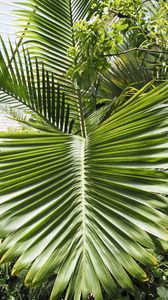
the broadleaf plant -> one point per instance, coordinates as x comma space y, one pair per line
83, 196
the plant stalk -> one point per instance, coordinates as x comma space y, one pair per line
82, 121
136, 49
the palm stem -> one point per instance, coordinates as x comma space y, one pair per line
77, 86
82, 121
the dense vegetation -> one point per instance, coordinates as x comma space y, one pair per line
83, 210
156, 288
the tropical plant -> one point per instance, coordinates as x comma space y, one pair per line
13, 288
82, 197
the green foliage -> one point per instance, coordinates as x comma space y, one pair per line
157, 26
162, 293
85, 206
13, 288
37, 92
92, 40
104, 34
126, 8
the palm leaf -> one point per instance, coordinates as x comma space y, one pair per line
50, 33
47, 38
30, 86
87, 209
126, 71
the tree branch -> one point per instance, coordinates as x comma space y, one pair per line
119, 14
135, 49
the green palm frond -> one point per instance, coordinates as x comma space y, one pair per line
50, 31
157, 65
127, 70
129, 73
150, 64
47, 35
87, 209
29, 85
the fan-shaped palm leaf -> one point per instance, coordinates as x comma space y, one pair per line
134, 69
87, 209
